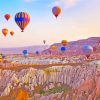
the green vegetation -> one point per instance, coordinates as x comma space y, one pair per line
59, 89
42, 92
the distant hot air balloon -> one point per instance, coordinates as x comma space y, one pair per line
53, 47
37, 52
98, 42
3, 56
64, 42
22, 19
94, 48
44, 41
7, 16
25, 53
5, 31
12, 33
87, 50
63, 49
56, 11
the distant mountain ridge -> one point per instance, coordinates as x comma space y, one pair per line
18, 50
73, 47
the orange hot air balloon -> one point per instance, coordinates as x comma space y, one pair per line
12, 33
7, 16
56, 11
5, 31
53, 47
64, 42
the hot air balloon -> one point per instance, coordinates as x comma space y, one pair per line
25, 53
63, 49
12, 33
44, 41
7, 17
87, 50
3, 56
53, 47
37, 52
56, 11
22, 19
94, 48
5, 31
64, 42
99, 42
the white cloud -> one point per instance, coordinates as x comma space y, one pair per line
69, 3
29, 0
66, 3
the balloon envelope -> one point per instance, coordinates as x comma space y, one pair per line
53, 47
22, 19
94, 48
63, 49
64, 42
7, 17
25, 53
44, 41
12, 33
5, 31
87, 50
37, 52
56, 11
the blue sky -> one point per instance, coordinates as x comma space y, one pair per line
79, 19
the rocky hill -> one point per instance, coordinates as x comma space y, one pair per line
75, 47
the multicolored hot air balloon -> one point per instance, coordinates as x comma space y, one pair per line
25, 53
5, 31
56, 11
64, 42
87, 50
12, 33
22, 19
7, 16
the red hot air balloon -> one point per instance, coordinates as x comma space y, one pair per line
5, 31
7, 17
56, 11
12, 33
22, 19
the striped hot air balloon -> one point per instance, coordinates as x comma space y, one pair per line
22, 19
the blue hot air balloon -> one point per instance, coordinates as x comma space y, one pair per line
63, 49
87, 50
37, 52
25, 53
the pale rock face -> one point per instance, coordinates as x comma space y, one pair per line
7, 90
68, 75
